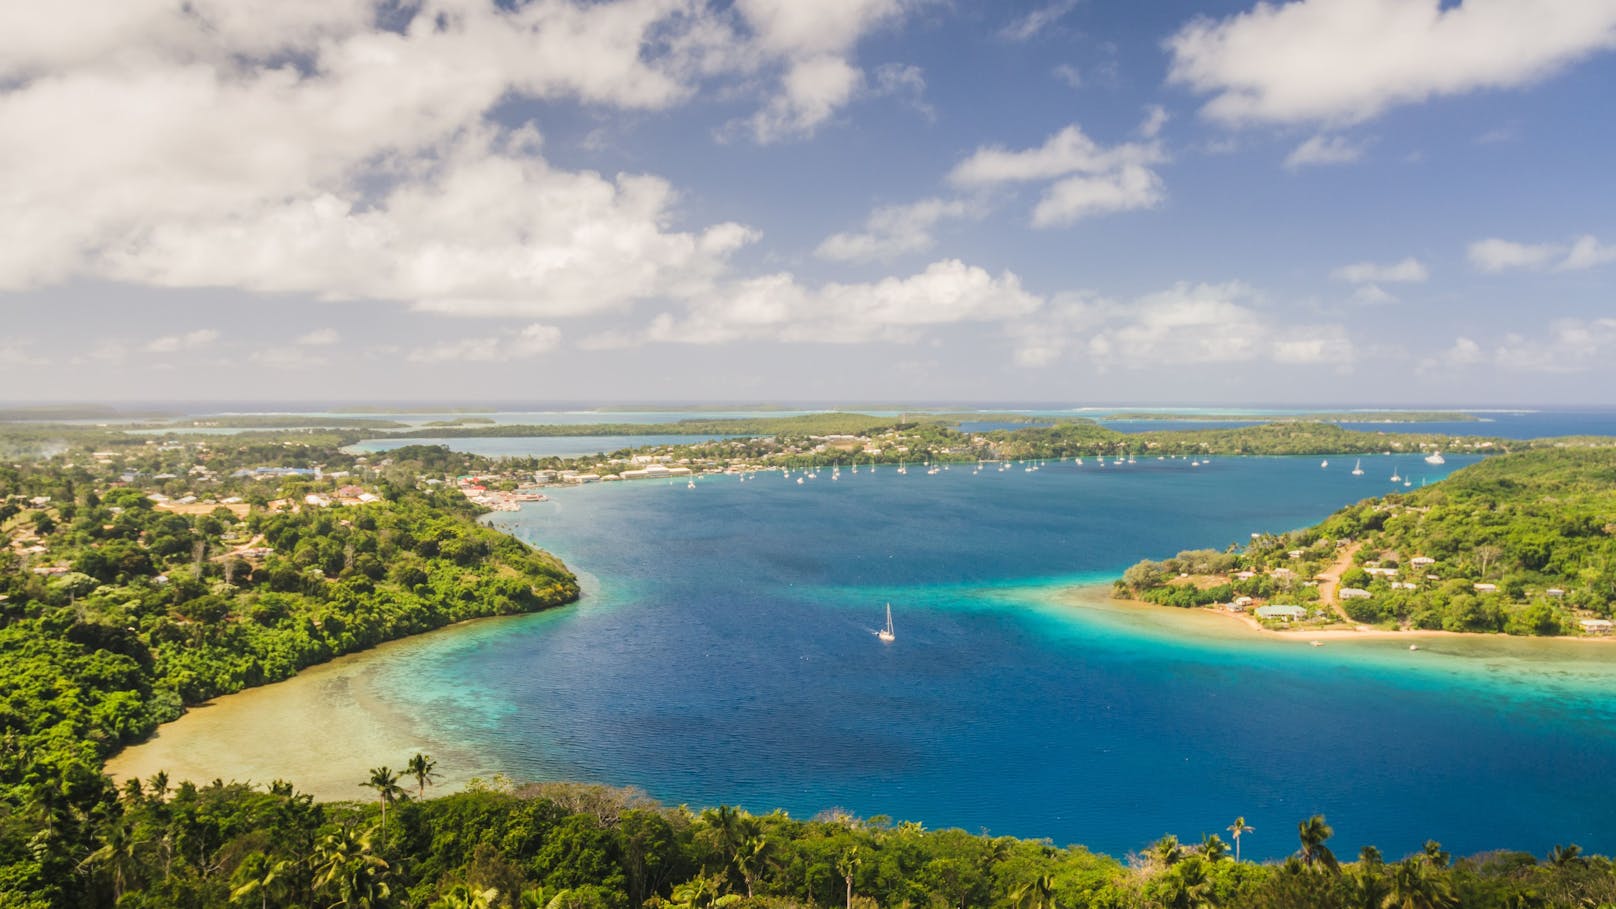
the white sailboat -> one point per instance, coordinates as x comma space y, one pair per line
886, 634
1395, 477
1357, 469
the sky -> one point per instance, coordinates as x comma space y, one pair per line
1388, 202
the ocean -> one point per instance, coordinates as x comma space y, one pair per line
723, 653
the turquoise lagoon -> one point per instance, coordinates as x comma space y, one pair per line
723, 653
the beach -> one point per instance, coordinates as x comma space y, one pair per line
322, 730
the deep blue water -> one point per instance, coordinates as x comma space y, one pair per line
723, 654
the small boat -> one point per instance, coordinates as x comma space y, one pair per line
1357, 469
1435, 457
1395, 477
691, 485
1324, 463
1316, 643
886, 634
1413, 647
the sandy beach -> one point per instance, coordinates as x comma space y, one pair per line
321, 729
1203, 619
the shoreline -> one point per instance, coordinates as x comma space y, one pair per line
1255, 629
322, 729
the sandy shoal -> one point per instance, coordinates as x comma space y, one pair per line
322, 730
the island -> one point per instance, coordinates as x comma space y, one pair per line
1521, 543
142, 575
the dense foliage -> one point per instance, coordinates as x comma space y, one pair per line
1523, 544
579, 847
119, 605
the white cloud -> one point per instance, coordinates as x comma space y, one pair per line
1345, 61
1496, 255
191, 340
1587, 252
305, 149
814, 41
529, 342
1185, 325
906, 82
779, 308
1156, 117
1407, 271
1131, 187
892, 231
1567, 346
1097, 180
1068, 74
1372, 295
1322, 149
1029, 25
485, 232
320, 337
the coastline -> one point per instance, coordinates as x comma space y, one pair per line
1091, 594
321, 729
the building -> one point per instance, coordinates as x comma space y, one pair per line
1354, 593
1596, 626
1283, 613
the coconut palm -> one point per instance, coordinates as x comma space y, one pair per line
1038, 893
345, 868
267, 879
1436, 854
1565, 855
159, 785
116, 855
385, 781
1417, 884
1213, 848
420, 767
1236, 830
1313, 833
1166, 852
846, 865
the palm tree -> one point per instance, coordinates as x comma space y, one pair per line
1313, 833
1213, 847
1562, 856
421, 767
159, 785
847, 864
1435, 854
347, 869
1166, 851
753, 855
1417, 884
117, 855
385, 782
1038, 893
1236, 830
268, 879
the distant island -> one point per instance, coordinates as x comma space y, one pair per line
1517, 544
1329, 416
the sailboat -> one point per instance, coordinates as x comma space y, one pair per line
1395, 477
886, 634
1357, 469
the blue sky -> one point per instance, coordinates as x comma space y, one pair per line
1320, 201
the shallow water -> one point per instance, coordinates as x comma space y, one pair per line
723, 653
